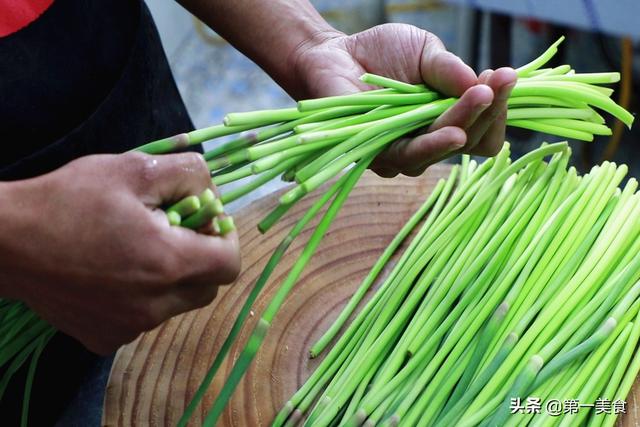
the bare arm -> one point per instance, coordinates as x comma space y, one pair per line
268, 32
85, 247
307, 57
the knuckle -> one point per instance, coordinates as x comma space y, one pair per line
144, 167
135, 159
432, 41
195, 160
195, 165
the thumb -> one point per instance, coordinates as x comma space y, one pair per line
444, 71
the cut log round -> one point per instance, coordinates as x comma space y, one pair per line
154, 377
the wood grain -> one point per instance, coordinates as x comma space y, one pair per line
153, 378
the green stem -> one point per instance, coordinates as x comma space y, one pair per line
387, 82
376, 269
372, 100
275, 258
259, 333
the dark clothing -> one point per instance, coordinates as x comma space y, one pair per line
88, 76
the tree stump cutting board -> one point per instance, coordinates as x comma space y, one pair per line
154, 377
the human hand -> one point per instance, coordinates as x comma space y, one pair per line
331, 63
87, 249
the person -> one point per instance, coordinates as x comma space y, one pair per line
82, 241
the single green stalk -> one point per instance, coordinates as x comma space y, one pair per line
579, 125
259, 118
275, 159
545, 101
225, 225
174, 218
204, 215
375, 80
559, 70
524, 70
309, 105
589, 78
537, 126
206, 196
184, 140
185, 207
549, 113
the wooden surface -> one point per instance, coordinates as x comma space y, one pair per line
153, 378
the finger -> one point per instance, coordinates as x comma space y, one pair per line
384, 172
493, 140
444, 71
501, 82
466, 111
210, 260
186, 298
167, 178
483, 78
410, 156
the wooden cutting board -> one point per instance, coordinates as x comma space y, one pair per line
153, 378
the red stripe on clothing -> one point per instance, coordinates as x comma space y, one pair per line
17, 14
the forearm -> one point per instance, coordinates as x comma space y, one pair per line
269, 32
14, 216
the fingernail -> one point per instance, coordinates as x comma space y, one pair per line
477, 110
457, 145
481, 107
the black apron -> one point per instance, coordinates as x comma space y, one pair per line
116, 107
111, 112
